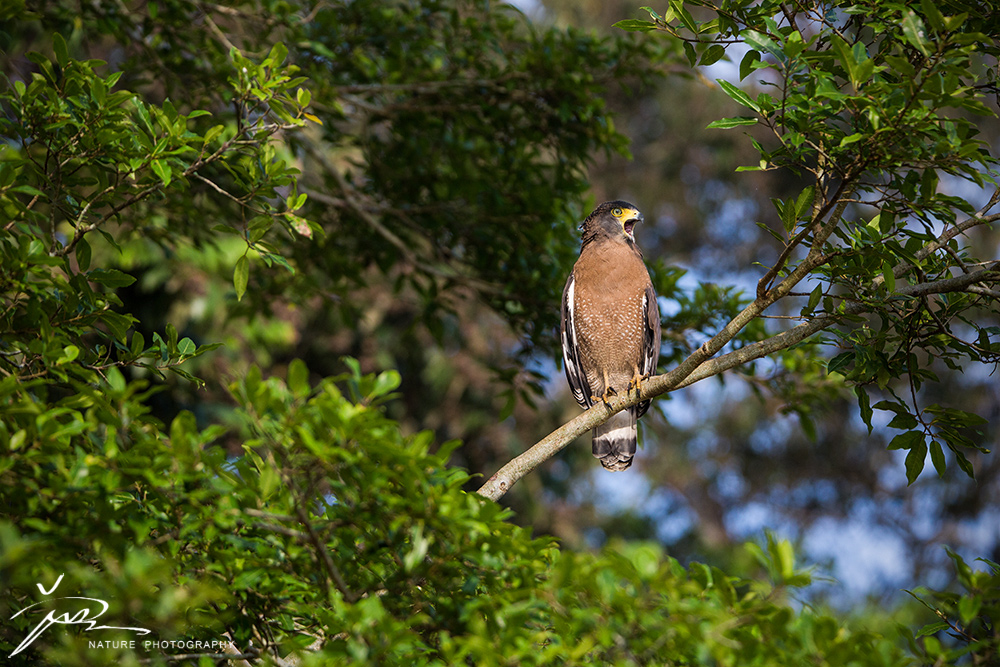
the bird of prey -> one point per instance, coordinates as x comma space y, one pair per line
610, 326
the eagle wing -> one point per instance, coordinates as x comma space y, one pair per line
571, 351
650, 340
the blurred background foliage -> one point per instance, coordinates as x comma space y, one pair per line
446, 151
782, 447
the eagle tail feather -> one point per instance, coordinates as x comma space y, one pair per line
615, 440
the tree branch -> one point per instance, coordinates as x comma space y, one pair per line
699, 365
499, 483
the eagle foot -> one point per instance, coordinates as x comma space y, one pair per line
635, 383
605, 397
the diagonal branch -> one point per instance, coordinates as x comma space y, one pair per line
700, 365
786, 339
815, 226
661, 384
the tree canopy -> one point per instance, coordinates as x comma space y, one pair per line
867, 126
261, 263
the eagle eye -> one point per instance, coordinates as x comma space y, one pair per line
617, 212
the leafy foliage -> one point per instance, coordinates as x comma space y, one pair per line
78, 155
966, 621
872, 104
334, 527
439, 148
446, 195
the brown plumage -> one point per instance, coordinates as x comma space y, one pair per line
610, 326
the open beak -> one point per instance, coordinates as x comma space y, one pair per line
629, 225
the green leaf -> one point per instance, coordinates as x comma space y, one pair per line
303, 97
687, 20
850, 139
758, 41
691, 54
241, 276
888, 275
118, 325
385, 383
964, 464
738, 95
729, 123
804, 203
138, 344
213, 132
98, 91
932, 628
937, 458
786, 211
784, 557
110, 277
171, 338
956, 417
814, 298
748, 63
161, 346
277, 55
900, 66
298, 378
258, 228
634, 25
903, 420
933, 14
17, 440
864, 404
906, 440
143, 112
186, 347
844, 53
855, 60
916, 458
163, 170
70, 353
83, 253
61, 51
861, 74
914, 32
842, 360
794, 45
712, 55
968, 608
28, 190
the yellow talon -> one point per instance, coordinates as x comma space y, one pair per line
610, 391
605, 397
635, 383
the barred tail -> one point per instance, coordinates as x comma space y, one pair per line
615, 440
